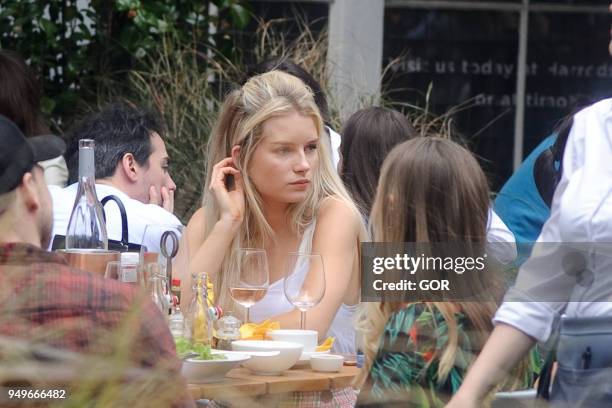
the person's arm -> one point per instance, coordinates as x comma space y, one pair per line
504, 349
206, 255
336, 239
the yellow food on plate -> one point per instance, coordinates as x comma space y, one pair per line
257, 331
326, 345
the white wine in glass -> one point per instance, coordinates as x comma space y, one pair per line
251, 278
304, 282
248, 296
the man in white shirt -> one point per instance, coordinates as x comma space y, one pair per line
577, 236
131, 164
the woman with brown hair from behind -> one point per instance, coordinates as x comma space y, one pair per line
431, 191
368, 136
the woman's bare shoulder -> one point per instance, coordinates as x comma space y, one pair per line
337, 211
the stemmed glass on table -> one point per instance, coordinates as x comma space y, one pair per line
251, 279
304, 282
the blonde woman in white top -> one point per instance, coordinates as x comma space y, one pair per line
268, 137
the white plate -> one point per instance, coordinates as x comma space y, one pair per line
207, 371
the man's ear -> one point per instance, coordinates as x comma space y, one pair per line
29, 192
129, 167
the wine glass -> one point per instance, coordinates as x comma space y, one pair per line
304, 282
249, 283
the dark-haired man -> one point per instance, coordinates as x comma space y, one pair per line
131, 163
42, 299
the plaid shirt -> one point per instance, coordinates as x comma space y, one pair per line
42, 299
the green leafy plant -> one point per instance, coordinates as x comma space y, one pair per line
81, 48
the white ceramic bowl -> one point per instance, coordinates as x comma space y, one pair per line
288, 354
307, 338
207, 371
305, 357
329, 363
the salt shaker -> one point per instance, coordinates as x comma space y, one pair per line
228, 330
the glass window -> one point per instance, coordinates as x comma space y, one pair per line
570, 67
470, 55
465, 56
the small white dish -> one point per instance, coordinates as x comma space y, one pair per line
288, 354
305, 357
328, 363
209, 371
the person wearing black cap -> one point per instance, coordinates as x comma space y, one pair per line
43, 300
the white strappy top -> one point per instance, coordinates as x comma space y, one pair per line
275, 303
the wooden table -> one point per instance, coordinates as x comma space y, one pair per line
242, 388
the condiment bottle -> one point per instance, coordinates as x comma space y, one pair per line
228, 330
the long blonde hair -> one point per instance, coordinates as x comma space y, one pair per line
242, 116
432, 190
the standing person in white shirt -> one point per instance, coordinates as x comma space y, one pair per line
581, 212
131, 163
580, 218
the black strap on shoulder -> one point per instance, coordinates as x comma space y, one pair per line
124, 224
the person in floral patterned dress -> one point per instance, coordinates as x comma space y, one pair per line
417, 352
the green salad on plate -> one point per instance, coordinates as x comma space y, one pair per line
196, 351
